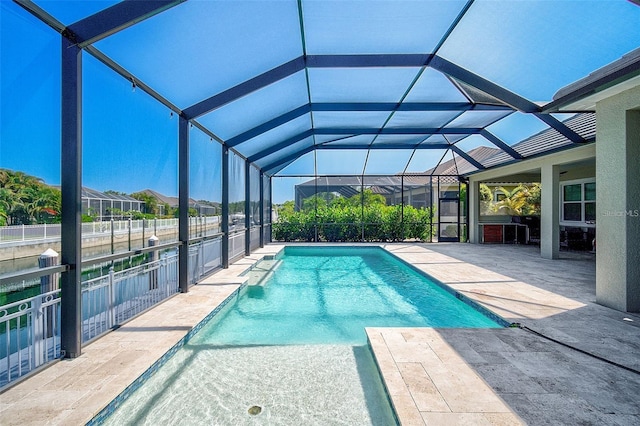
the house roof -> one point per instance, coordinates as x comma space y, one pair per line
614, 74
173, 201
98, 195
548, 140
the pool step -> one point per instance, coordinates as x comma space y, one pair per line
262, 271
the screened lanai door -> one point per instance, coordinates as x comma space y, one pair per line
449, 217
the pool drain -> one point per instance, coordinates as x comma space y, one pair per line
255, 410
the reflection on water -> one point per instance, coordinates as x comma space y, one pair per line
30, 262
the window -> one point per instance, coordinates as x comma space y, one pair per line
579, 201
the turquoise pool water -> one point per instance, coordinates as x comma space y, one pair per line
329, 295
294, 344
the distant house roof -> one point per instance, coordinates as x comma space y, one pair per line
460, 166
173, 201
97, 195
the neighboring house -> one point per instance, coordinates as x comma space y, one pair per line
204, 208
106, 206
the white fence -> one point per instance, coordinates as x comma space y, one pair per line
236, 244
204, 257
30, 328
199, 226
255, 238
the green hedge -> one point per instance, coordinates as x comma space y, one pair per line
345, 223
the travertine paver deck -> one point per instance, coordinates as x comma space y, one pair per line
466, 376
430, 383
71, 392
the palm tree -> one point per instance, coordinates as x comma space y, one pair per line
150, 202
513, 200
23, 197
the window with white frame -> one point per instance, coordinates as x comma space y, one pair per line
578, 201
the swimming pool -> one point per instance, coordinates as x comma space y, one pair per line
320, 295
294, 344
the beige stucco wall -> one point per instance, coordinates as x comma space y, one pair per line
618, 201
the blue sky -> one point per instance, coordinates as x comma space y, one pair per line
130, 141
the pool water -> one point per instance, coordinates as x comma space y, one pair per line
292, 343
321, 295
292, 385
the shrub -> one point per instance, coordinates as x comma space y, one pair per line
343, 222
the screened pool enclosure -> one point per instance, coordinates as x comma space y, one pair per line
277, 111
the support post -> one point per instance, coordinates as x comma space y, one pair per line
439, 212
430, 209
225, 207
48, 283
270, 209
473, 206
550, 211
315, 208
152, 257
261, 209
459, 233
247, 208
71, 188
362, 225
183, 204
402, 206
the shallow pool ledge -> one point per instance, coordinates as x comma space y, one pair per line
429, 383
74, 391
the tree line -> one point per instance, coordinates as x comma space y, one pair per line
26, 199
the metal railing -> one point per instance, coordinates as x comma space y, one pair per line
266, 233
30, 328
204, 257
236, 243
115, 298
255, 237
29, 335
